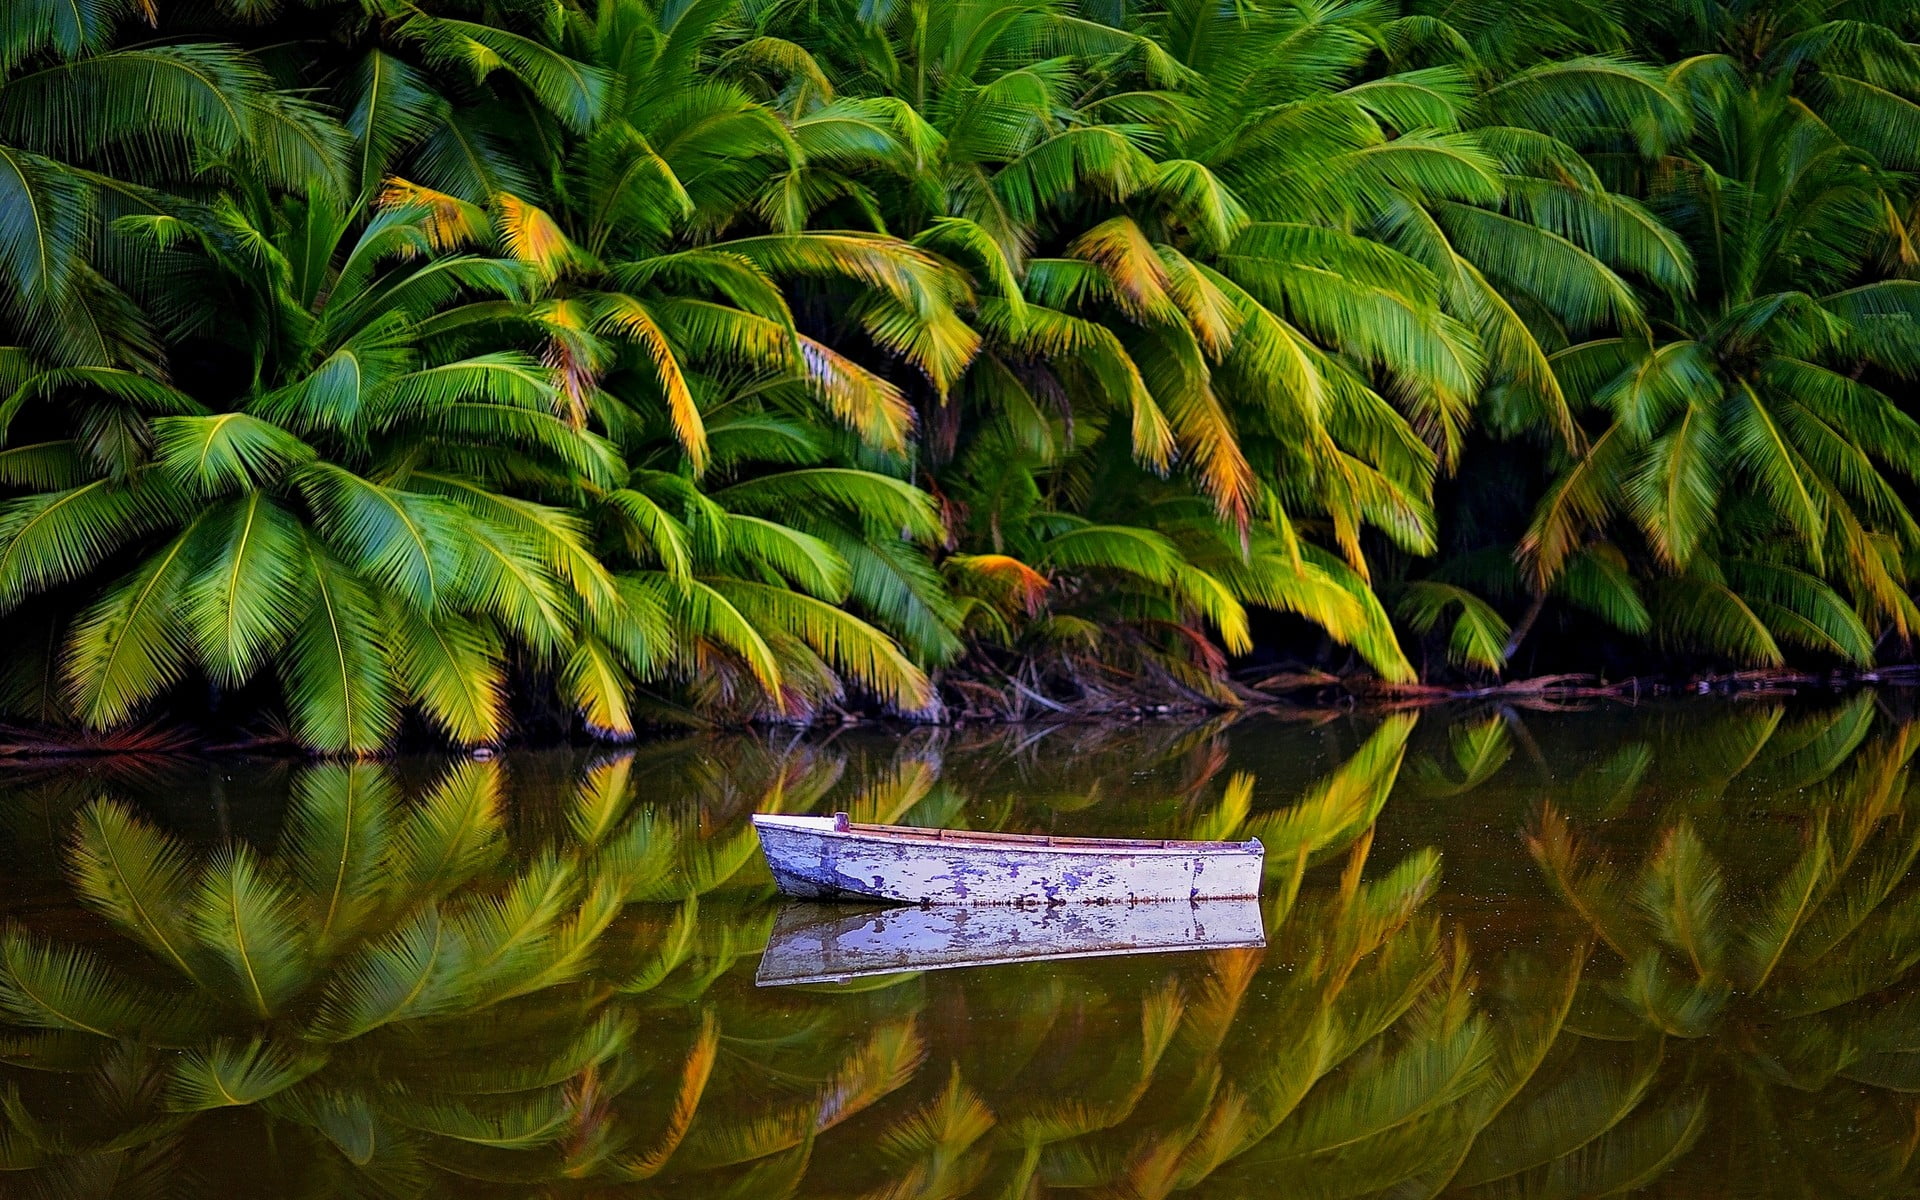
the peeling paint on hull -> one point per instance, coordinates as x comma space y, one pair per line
826, 858
811, 944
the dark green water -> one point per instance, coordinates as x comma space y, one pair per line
1531, 954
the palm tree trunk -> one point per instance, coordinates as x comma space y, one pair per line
1525, 624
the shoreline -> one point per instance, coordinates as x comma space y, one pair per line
1299, 693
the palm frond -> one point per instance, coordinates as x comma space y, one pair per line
229, 1074
879, 501
52, 537
131, 645
246, 594
573, 91
452, 835
136, 877
865, 655
49, 986
339, 688
1479, 633
454, 671
597, 686
1699, 612
215, 455
336, 846
248, 921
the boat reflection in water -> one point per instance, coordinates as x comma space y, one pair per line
815, 943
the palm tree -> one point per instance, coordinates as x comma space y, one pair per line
667, 265
1134, 288
626, 362
338, 518
92, 130
1748, 440
444, 478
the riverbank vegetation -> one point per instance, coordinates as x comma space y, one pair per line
452, 369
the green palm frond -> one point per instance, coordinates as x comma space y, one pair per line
42, 466
248, 921
214, 455
136, 877
701, 611
806, 562
1700, 612
53, 537
393, 109
68, 29
1572, 97
411, 973
573, 91
903, 592
130, 645
1584, 496
879, 501
557, 536
339, 689
227, 1074
337, 845
451, 835
1373, 635
454, 671
1803, 609
1578, 286
1598, 580
1479, 634
1142, 552
595, 682
42, 235
1615, 229
655, 533
863, 654
1672, 495
249, 587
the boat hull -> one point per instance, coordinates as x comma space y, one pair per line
812, 859
811, 944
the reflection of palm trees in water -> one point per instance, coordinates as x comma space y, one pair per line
394, 980
1758, 954
453, 995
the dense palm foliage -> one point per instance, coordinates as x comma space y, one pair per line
596, 362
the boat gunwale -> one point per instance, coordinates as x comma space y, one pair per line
963, 838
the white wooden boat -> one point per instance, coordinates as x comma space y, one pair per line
815, 944
833, 858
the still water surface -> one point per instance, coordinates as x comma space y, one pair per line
1509, 954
